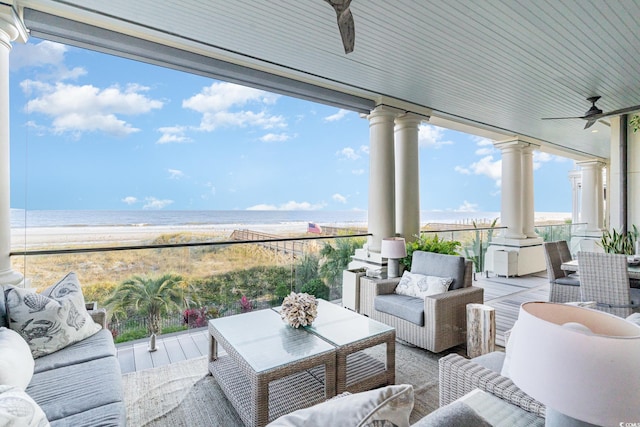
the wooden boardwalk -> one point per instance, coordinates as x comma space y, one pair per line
279, 243
504, 294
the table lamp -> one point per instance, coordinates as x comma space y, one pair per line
582, 364
393, 248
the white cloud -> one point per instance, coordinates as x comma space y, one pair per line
222, 105
130, 200
46, 55
484, 151
153, 203
431, 136
364, 149
78, 109
357, 171
275, 137
482, 142
339, 198
348, 153
289, 206
485, 166
175, 174
467, 207
337, 116
172, 134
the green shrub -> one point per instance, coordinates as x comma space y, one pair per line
131, 334
171, 329
430, 244
317, 288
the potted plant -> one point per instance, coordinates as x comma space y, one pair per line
619, 243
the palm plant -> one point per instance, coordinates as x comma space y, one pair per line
336, 258
151, 297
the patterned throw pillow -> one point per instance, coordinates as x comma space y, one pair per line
17, 408
386, 406
432, 285
405, 286
51, 320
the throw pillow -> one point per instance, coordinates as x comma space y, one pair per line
16, 362
17, 408
390, 405
405, 286
432, 285
51, 320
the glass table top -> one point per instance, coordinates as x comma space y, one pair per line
265, 341
341, 326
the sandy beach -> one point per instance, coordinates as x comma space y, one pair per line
51, 237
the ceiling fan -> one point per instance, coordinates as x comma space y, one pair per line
345, 23
594, 114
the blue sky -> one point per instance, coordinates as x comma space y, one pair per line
93, 131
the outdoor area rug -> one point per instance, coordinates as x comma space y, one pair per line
182, 394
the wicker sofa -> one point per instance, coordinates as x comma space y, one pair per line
81, 384
459, 376
439, 321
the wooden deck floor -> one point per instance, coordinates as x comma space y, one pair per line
504, 294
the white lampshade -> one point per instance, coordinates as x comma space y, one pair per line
592, 376
393, 248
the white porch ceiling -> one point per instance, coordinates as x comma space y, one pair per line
498, 65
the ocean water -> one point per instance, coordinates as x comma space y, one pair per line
87, 218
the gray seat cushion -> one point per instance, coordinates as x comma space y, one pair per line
567, 281
433, 264
113, 414
635, 297
405, 307
74, 389
455, 414
95, 347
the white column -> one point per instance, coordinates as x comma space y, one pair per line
600, 180
592, 191
11, 28
407, 172
528, 206
382, 219
512, 193
575, 177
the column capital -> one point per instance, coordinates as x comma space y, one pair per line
11, 26
585, 164
383, 111
411, 119
514, 143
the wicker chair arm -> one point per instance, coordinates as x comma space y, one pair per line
458, 376
446, 303
99, 316
386, 286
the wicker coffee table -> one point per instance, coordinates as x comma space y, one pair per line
351, 333
270, 368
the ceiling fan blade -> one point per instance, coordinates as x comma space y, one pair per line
346, 24
621, 111
347, 30
562, 118
590, 123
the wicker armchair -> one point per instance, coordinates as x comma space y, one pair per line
458, 376
605, 280
563, 287
444, 314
